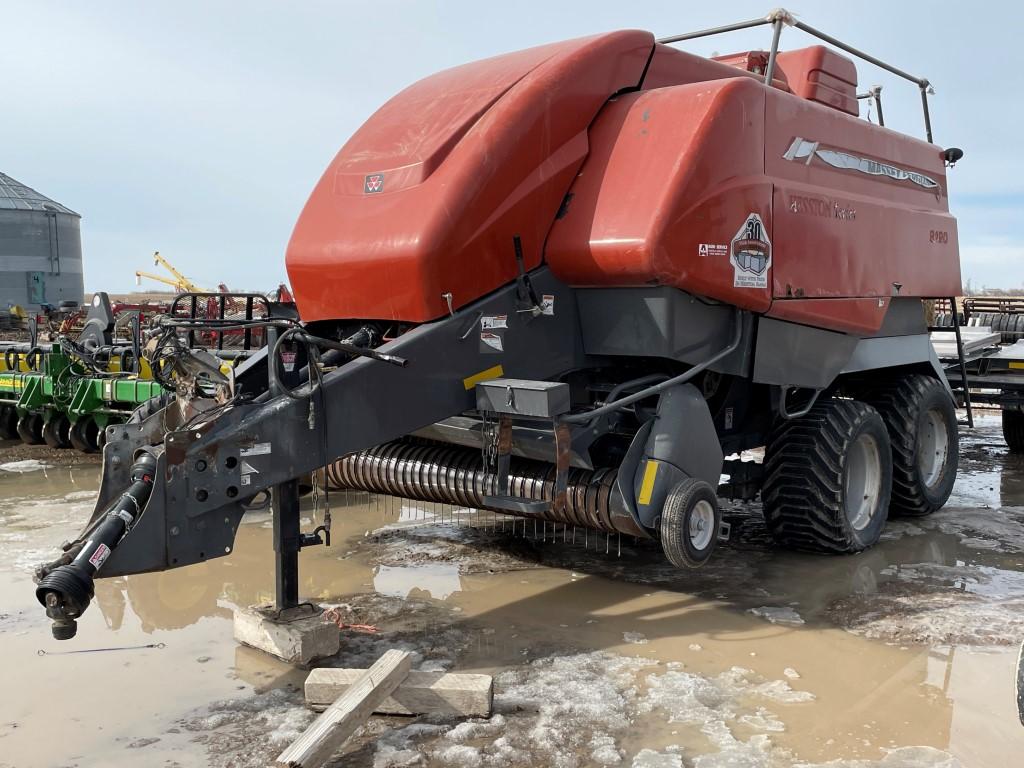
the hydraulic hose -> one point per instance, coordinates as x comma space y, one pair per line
66, 591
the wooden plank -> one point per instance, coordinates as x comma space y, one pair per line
340, 720
437, 693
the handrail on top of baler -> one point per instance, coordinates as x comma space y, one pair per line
781, 17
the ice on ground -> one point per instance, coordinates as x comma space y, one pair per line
778, 615
25, 465
250, 732
559, 711
395, 748
648, 758
460, 756
576, 704
476, 729
983, 580
998, 530
637, 638
939, 605
932, 618
791, 673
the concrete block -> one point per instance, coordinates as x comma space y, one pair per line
437, 693
297, 637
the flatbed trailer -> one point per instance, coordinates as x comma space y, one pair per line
992, 375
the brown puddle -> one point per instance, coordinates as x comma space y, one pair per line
762, 658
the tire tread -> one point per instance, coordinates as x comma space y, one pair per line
803, 477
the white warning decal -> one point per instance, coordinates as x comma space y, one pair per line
492, 340
712, 249
490, 322
248, 469
99, 556
547, 304
751, 254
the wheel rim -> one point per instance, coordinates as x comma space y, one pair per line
933, 447
863, 482
702, 524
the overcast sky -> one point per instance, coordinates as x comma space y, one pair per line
199, 128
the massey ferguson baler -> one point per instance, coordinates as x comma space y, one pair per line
564, 284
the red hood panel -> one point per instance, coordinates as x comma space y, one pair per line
427, 195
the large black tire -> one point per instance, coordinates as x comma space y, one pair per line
30, 429
828, 476
921, 419
689, 525
1013, 430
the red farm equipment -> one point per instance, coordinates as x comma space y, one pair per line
566, 283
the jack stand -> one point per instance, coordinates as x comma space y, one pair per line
293, 632
287, 543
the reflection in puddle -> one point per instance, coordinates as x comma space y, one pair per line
434, 580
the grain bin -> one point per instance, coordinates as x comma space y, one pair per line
40, 249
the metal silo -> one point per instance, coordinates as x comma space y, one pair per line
40, 249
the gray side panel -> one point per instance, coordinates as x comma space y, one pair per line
889, 351
659, 322
905, 316
798, 355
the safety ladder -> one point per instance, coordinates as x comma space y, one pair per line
961, 361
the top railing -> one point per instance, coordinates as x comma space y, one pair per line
780, 18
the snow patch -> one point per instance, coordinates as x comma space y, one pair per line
778, 615
648, 758
25, 465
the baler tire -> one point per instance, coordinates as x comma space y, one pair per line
8, 423
910, 407
688, 536
809, 464
55, 432
1013, 430
30, 429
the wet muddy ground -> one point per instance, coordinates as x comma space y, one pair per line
603, 654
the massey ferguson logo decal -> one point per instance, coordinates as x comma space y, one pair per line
373, 183
806, 151
751, 254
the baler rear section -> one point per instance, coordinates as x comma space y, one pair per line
565, 284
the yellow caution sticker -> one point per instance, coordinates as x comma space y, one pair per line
647, 486
1017, 366
494, 372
